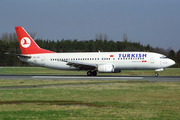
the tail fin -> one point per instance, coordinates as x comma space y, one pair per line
27, 44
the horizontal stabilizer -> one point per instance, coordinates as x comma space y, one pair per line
20, 55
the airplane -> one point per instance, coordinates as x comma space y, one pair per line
92, 62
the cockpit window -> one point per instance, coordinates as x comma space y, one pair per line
163, 57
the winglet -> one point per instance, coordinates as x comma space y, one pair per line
27, 44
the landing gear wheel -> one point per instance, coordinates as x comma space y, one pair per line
94, 73
156, 74
89, 73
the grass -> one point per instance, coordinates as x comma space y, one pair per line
41, 71
109, 101
119, 99
13, 83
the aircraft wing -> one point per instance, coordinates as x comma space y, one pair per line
81, 65
20, 55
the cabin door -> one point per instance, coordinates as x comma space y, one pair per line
152, 59
42, 60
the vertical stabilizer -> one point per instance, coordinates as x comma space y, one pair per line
27, 44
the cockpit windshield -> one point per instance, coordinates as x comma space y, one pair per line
163, 57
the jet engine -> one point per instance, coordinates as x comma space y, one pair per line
105, 68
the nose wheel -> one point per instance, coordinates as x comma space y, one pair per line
156, 74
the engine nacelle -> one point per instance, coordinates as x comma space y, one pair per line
105, 68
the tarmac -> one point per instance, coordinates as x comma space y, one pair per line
84, 77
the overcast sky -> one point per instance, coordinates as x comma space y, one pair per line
154, 22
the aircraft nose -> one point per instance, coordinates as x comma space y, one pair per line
171, 62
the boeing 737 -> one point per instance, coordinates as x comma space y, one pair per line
92, 62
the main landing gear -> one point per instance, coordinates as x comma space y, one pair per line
91, 73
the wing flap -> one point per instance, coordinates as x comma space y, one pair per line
81, 65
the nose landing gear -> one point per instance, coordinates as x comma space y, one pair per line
156, 74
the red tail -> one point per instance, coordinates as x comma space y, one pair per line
27, 44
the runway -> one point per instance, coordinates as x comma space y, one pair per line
84, 77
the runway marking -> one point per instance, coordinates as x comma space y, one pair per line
62, 77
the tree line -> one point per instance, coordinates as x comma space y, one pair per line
9, 44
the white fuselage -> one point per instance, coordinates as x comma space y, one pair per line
120, 60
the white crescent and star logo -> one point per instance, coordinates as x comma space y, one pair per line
25, 42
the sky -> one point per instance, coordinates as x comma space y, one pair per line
153, 22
